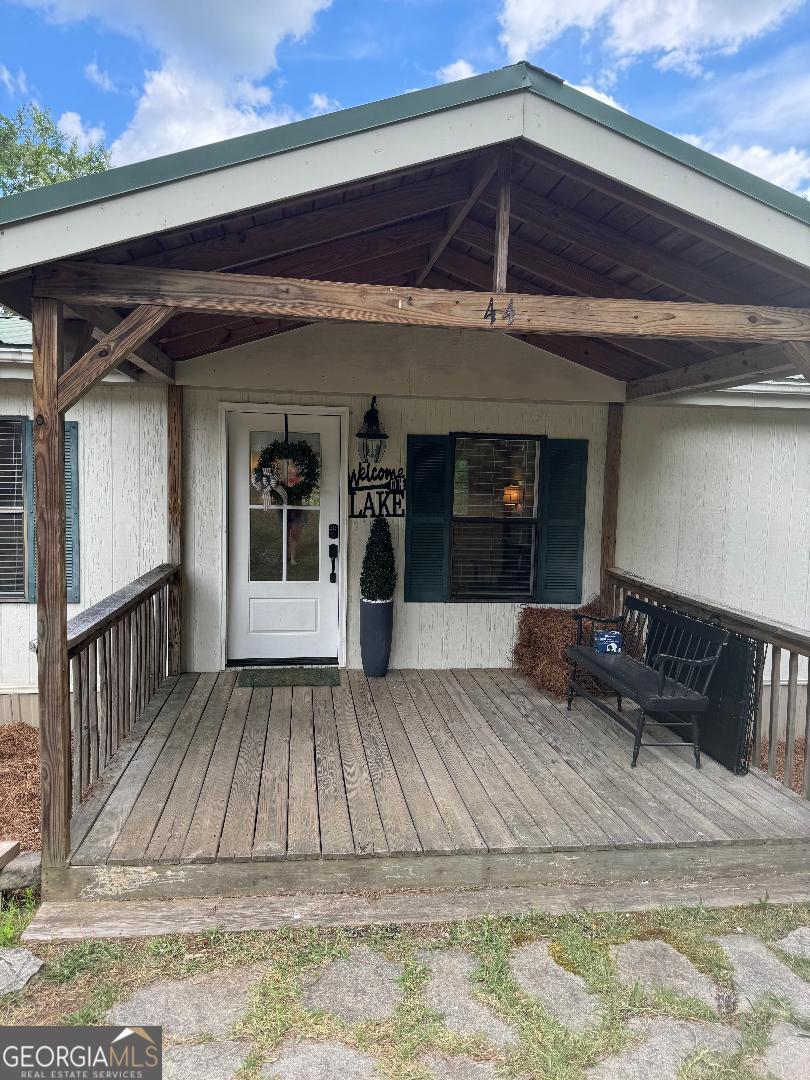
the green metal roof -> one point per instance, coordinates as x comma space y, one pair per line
507, 80
15, 332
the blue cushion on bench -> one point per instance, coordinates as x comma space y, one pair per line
637, 681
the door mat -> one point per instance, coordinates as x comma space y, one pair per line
289, 676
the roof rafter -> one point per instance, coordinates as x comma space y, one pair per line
733, 369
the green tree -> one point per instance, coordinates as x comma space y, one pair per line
34, 152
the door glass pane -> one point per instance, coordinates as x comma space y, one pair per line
301, 489
258, 441
495, 478
303, 545
265, 545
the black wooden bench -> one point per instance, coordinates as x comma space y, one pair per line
665, 666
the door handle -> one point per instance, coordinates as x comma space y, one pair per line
333, 554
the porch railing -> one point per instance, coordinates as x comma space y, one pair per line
775, 640
119, 653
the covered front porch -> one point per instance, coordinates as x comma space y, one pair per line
513, 277
421, 779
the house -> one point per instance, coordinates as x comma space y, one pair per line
526, 279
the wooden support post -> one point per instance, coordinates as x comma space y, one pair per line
502, 220
174, 522
52, 659
610, 497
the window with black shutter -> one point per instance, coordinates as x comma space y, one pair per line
17, 502
495, 518
13, 581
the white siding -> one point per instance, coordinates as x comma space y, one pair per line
425, 635
716, 501
122, 503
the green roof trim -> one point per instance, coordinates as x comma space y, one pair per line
507, 80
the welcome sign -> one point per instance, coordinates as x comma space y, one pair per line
376, 491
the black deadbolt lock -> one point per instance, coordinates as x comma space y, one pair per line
333, 532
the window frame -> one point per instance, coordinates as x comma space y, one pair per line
536, 520
27, 463
71, 509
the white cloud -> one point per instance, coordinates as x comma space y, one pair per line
600, 95
678, 32
179, 109
72, 125
789, 168
213, 56
15, 85
98, 77
206, 35
322, 103
459, 69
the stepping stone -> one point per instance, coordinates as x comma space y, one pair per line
204, 1004
459, 1068
788, 1056
362, 987
797, 943
757, 972
656, 965
213, 1060
666, 1046
318, 1060
449, 992
17, 968
562, 994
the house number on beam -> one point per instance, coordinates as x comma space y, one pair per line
508, 313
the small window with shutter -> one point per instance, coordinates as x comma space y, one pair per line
17, 501
495, 518
13, 558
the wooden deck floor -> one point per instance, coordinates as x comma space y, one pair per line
227, 789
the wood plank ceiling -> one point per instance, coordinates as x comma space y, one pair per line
573, 232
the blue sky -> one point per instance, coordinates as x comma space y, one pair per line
153, 76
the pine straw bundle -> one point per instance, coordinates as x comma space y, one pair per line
19, 785
543, 634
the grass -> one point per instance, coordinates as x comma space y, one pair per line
80, 982
16, 911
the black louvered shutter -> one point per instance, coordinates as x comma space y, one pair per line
562, 521
72, 561
427, 517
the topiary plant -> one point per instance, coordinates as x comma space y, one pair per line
378, 576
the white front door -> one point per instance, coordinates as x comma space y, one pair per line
283, 583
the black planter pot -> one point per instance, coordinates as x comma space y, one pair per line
376, 624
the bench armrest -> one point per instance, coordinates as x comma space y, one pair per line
660, 661
580, 618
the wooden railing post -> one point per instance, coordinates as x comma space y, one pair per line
52, 656
174, 523
610, 499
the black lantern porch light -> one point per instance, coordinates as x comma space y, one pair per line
371, 438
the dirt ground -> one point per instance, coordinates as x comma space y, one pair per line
19, 785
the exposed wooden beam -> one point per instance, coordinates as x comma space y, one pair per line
147, 357
294, 298
610, 498
393, 242
733, 369
263, 242
659, 354
78, 335
52, 657
106, 354
798, 352
501, 258
228, 336
578, 228
174, 520
485, 171
679, 219
597, 355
